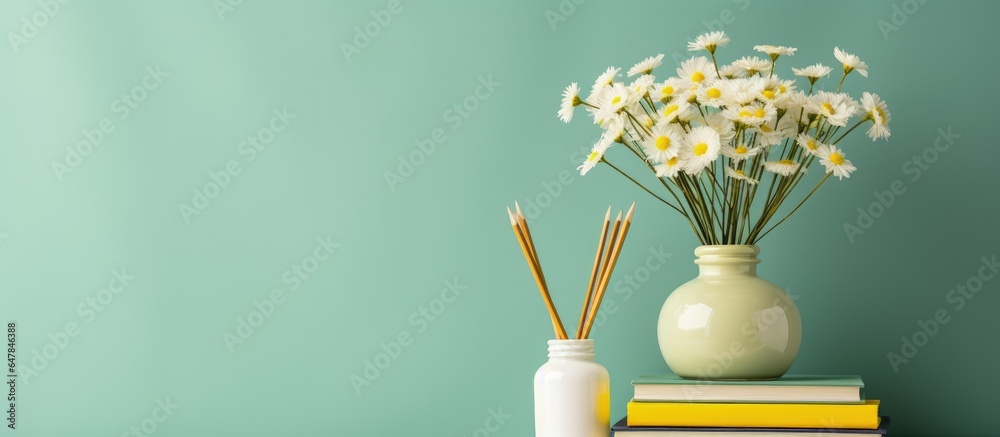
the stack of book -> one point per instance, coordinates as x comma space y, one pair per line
792, 406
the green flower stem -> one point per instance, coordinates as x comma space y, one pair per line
756, 240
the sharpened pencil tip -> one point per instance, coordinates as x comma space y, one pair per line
628, 217
607, 215
619, 218
510, 215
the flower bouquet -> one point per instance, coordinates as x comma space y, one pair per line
713, 135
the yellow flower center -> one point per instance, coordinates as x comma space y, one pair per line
662, 143
765, 128
740, 150
786, 162
697, 77
811, 145
700, 149
836, 158
672, 161
648, 122
828, 108
881, 113
615, 100
740, 172
593, 156
759, 113
667, 91
782, 89
713, 93
743, 113
768, 94
669, 110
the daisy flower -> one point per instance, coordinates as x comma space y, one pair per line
729, 71
701, 148
775, 51
570, 100
809, 143
724, 126
740, 176
646, 66
669, 169
785, 167
740, 152
833, 159
640, 87
709, 42
750, 115
876, 110
668, 89
715, 93
613, 99
836, 107
615, 131
768, 135
595, 156
851, 62
605, 79
674, 109
813, 72
696, 69
664, 142
751, 65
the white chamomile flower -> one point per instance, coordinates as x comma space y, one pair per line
810, 144
605, 79
613, 99
646, 66
570, 100
669, 169
813, 72
615, 131
715, 93
696, 69
670, 111
752, 65
746, 90
645, 119
701, 148
833, 159
740, 152
768, 134
595, 156
750, 115
664, 142
785, 167
740, 176
775, 51
640, 87
836, 107
724, 126
668, 89
709, 42
851, 62
878, 112
773, 89
730, 71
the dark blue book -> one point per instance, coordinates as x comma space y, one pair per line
621, 429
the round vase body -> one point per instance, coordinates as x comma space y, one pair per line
727, 323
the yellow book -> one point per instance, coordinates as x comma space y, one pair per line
825, 416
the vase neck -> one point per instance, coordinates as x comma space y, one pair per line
727, 260
571, 350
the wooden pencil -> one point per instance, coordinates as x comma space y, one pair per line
536, 272
592, 283
608, 270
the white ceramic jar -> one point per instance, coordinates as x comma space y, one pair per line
572, 392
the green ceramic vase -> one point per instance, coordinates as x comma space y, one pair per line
728, 323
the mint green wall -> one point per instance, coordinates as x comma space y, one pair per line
360, 262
